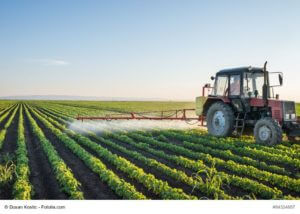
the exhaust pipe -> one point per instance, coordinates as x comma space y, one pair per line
265, 86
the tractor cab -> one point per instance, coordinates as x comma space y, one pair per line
238, 86
246, 82
246, 87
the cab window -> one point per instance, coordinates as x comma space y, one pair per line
253, 83
221, 85
235, 85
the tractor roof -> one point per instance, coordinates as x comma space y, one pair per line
240, 70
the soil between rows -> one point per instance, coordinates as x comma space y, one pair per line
11, 137
8, 148
229, 189
2, 124
172, 182
139, 187
287, 167
91, 185
41, 175
285, 191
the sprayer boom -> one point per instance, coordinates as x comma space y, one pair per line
182, 114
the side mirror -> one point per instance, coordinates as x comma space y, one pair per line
212, 78
280, 79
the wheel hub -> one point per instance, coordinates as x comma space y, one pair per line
218, 122
264, 133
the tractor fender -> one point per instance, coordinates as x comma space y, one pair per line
212, 100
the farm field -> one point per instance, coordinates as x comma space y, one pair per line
46, 154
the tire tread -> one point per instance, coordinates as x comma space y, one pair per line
276, 126
228, 113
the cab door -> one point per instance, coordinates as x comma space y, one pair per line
235, 91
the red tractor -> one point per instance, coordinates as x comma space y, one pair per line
243, 99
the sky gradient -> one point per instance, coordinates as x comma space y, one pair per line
148, 49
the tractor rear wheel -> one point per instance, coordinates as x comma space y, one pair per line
220, 120
267, 131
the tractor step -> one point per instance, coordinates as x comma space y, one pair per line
239, 124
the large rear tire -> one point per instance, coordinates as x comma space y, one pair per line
220, 120
267, 131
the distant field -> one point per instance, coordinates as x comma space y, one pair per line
46, 154
100, 108
298, 109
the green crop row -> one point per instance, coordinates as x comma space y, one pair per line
56, 114
6, 110
250, 171
158, 187
123, 106
62, 173
121, 187
178, 175
243, 183
242, 142
74, 110
226, 144
6, 104
7, 124
222, 151
22, 189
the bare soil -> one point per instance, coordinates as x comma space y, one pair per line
91, 185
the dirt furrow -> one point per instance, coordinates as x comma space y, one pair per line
91, 184
172, 182
41, 175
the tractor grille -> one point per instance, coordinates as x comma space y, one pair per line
288, 107
289, 111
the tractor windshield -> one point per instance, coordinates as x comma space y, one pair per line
221, 85
253, 83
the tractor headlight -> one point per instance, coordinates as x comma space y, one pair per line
287, 116
290, 116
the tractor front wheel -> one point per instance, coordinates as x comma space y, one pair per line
267, 131
220, 120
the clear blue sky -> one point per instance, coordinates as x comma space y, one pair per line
143, 48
